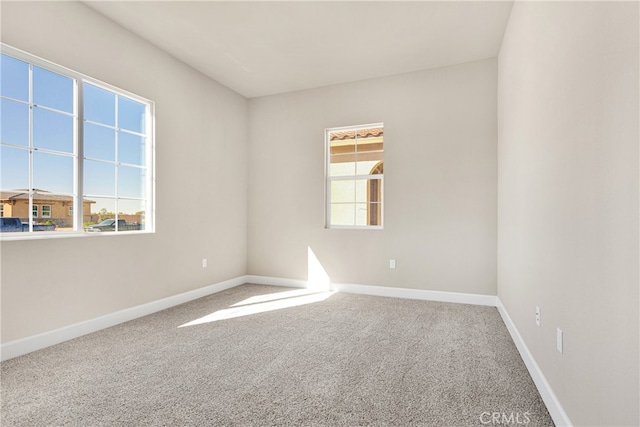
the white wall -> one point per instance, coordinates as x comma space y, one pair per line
568, 199
201, 146
440, 181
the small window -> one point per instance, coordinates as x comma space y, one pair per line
46, 211
34, 211
1, 210
354, 172
70, 211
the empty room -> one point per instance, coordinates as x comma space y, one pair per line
320, 213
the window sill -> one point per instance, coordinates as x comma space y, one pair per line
354, 227
44, 235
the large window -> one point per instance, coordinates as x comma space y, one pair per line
80, 149
354, 190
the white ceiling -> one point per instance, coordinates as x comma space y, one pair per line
264, 47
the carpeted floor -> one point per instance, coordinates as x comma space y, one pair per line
334, 360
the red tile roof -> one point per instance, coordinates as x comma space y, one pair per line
351, 134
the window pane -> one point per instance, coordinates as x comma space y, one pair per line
374, 213
342, 137
341, 166
361, 214
370, 143
368, 163
368, 190
53, 212
99, 142
99, 209
369, 147
368, 214
131, 182
14, 122
375, 191
14, 78
343, 146
343, 191
99, 105
53, 131
131, 115
133, 213
52, 90
53, 173
16, 216
343, 214
99, 178
130, 148
361, 190
15, 169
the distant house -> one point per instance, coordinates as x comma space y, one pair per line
46, 207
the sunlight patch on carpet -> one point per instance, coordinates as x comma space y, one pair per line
275, 296
247, 310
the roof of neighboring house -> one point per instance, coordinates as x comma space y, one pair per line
39, 195
362, 133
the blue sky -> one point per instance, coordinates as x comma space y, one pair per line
53, 130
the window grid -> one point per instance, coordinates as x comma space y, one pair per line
368, 205
116, 163
76, 154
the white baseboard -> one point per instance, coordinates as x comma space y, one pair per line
559, 416
418, 294
384, 291
36, 342
276, 281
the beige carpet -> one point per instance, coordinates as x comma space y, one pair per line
266, 356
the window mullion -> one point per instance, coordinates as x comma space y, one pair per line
30, 189
117, 162
78, 212
355, 183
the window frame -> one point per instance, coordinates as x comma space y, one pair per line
78, 150
329, 179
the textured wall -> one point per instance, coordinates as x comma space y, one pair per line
568, 199
440, 181
201, 152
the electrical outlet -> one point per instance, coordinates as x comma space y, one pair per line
538, 316
392, 263
204, 263
559, 340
